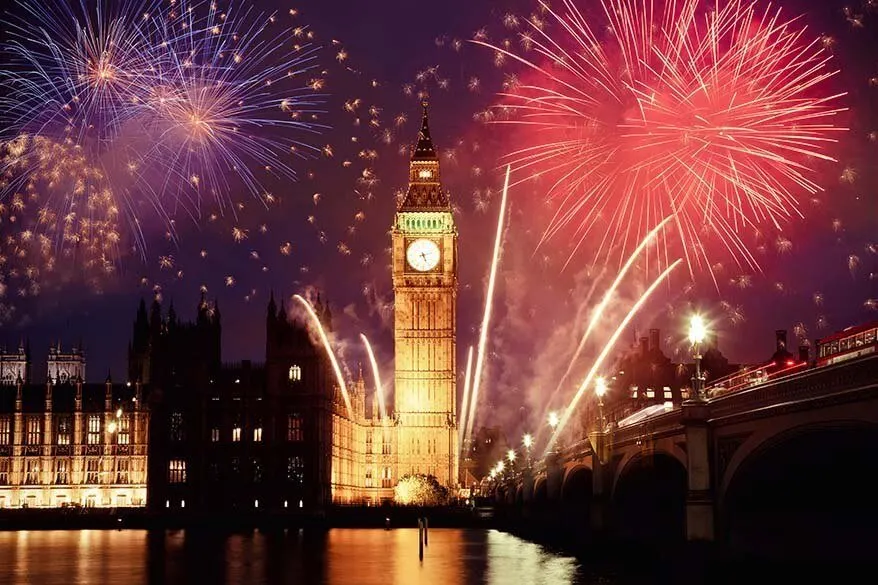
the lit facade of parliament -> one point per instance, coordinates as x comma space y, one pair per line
187, 434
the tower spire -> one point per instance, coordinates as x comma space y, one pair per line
424, 150
425, 190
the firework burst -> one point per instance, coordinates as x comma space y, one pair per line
185, 99
714, 115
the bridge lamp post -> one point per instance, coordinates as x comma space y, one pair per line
697, 335
528, 442
600, 390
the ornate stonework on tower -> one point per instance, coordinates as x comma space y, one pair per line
425, 320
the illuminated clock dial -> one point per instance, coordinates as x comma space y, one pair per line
422, 255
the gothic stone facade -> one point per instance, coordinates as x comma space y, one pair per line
67, 443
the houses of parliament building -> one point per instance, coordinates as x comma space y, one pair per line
187, 434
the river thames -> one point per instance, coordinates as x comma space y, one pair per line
339, 556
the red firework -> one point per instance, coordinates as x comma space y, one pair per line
713, 115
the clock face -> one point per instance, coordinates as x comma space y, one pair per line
422, 255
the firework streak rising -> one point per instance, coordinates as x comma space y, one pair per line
466, 392
608, 296
328, 346
489, 301
379, 389
571, 408
711, 114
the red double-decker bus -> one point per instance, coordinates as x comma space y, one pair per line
848, 344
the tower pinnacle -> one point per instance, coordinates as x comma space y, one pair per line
424, 150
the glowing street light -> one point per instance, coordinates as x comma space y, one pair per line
553, 419
511, 455
500, 466
528, 441
697, 329
697, 335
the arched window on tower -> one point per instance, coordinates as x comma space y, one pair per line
295, 373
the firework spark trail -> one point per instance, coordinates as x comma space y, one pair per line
379, 389
489, 301
715, 119
568, 412
599, 310
466, 392
328, 346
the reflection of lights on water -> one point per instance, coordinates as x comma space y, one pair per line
512, 560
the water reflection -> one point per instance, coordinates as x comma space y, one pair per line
367, 557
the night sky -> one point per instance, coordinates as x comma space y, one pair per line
822, 284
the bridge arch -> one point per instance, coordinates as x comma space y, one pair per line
786, 426
804, 491
649, 498
665, 448
541, 491
577, 485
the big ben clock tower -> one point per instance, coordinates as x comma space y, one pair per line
425, 320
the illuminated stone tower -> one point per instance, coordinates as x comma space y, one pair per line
425, 321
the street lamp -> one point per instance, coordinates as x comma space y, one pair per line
528, 442
510, 455
600, 390
697, 334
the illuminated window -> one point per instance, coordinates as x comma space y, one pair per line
668, 394
385, 444
34, 431
177, 471
122, 468
92, 467
214, 435
62, 471
94, 430
650, 393
124, 428
64, 430
295, 373
257, 435
32, 472
295, 470
386, 478
5, 430
425, 174
294, 428
236, 434
368, 442
177, 432
368, 477
5, 468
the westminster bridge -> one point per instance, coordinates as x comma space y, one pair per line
786, 468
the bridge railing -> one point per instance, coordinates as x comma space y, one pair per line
813, 383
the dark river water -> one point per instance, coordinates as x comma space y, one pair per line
340, 556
